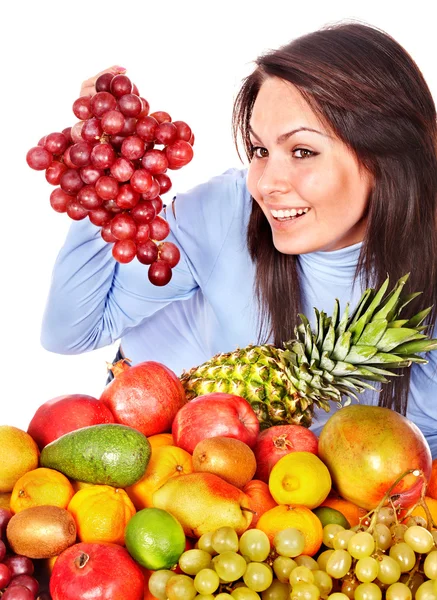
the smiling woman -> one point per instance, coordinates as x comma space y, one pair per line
340, 131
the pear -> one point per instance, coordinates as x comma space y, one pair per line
203, 502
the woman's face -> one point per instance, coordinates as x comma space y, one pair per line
307, 183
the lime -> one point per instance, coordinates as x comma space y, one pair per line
329, 515
154, 538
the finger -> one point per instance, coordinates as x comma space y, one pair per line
88, 86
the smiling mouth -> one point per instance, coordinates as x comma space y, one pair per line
289, 214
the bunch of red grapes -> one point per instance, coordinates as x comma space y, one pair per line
16, 581
111, 167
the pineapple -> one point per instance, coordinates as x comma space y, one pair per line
335, 362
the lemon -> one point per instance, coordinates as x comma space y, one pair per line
328, 515
18, 455
300, 478
155, 539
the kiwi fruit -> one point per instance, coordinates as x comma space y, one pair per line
41, 531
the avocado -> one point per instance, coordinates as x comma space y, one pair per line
108, 453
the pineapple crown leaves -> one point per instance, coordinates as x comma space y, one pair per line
342, 354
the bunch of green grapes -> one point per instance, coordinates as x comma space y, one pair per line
393, 560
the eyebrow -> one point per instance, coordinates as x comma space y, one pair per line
284, 136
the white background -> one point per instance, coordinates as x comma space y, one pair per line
186, 57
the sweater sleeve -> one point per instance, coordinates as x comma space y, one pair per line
93, 300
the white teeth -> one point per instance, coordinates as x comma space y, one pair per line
289, 212
281, 214
306, 210
300, 212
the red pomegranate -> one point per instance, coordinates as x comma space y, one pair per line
146, 396
64, 414
100, 571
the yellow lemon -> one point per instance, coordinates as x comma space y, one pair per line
300, 478
18, 455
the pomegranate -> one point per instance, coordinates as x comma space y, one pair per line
146, 396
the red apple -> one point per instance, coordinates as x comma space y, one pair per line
96, 570
64, 414
213, 415
366, 448
275, 442
146, 397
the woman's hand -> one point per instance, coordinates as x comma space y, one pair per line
88, 87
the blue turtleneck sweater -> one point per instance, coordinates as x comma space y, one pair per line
209, 305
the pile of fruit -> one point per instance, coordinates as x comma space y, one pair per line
111, 167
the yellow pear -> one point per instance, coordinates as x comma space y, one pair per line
203, 502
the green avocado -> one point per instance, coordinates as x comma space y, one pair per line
109, 453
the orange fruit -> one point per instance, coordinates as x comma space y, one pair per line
431, 489
260, 499
18, 454
101, 513
351, 511
80, 485
165, 462
302, 518
432, 507
41, 487
5, 499
300, 478
161, 439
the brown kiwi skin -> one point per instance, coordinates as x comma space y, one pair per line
41, 531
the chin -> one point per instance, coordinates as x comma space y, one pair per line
294, 246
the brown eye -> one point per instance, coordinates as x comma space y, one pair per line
259, 152
304, 153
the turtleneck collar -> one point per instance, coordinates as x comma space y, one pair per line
337, 266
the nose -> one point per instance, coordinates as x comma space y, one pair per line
274, 179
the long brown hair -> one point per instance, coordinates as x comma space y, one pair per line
372, 95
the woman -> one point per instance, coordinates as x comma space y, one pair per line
340, 130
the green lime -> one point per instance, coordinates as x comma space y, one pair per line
154, 538
327, 515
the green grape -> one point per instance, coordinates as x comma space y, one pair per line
180, 587
255, 545
194, 560
337, 596
323, 558
277, 591
329, 532
416, 520
397, 532
323, 581
389, 570
361, 544
229, 566
223, 596
366, 569
307, 561
224, 539
289, 542
157, 582
404, 555
258, 576
425, 591
368, 591
205, 597
398, 591
382, 536
435, 587
304, 591
282, 567
244, 593
206, 581
301, 574
434, 535
342, 538
339, 564
205, 543
386, 515
419, 538
430, 565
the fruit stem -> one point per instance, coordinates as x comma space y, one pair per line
118, 367
81, 560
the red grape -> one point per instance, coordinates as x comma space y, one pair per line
103, 83
191, 140
67, 160
112, 122
27, 581
92, 130
142, 234
89, 198
67, 133
54, 172
166, 133
159, 272
159, 228
76, 211
141, 181
5, 575
184, 131
146, 108
124, 250
127, 197
90, 174
106, 233
178, 154
164, 182
19, 565
99, 216
158, 204
82, 108
76, 131
120, 85
122, 169
39, 158
80, 154
123, 227
106, 187
161, 116
18, 592
130, 105
143, 212
147, 252
170, 253
71, 181
154, 190
132, 147
102, 102
103, 156
56, 143
155, 161
2, 551
146, 127
59, 200
112, 206
130, 124
42, 141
